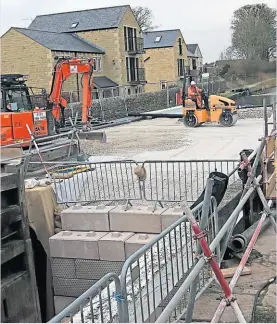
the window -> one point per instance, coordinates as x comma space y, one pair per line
181, 67
16, 100
132, 69
158, 39
74, 25
97, 64
163, 85
130, 38
180, 46
194, 66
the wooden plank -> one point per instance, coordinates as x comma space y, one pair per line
229, 272
270, 145
11, 250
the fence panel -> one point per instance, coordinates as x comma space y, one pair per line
99, 304
176, 180
149, 278
152, 275
166, 181
103, 181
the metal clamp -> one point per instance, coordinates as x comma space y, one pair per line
200, 235
207, 259
229, 301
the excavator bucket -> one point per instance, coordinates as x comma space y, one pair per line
94, 136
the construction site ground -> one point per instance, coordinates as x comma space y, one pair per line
168, 139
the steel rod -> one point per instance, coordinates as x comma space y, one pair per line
193, 274
241, 265
203, 225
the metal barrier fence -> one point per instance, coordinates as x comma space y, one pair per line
154, 273
148, 278
107, 181
176, 180
99, 304
166, 181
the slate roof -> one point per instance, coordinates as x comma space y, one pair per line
104, 82
168, 38
61, 41
192, 47
189, 54
91, 19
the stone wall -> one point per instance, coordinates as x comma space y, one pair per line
117, 107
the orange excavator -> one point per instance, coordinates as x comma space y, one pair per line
45, 117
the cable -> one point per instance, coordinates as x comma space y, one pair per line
269, 282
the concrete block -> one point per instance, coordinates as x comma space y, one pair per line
86, 218
68, 244
71, 287
136, 219
61, 302
96, 269
64, 268
137, 241
170, 216
112, 247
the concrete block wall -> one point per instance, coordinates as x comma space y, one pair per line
96, 240
117, 107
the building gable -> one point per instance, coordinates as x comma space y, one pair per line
194, 50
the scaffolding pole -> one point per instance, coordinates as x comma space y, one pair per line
245, 257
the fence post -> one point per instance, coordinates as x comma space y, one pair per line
100, 95
203, 224
265, 118
167, 95
274, 115
124, 100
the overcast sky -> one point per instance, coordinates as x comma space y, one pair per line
206, 22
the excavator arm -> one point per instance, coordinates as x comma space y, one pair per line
63, 69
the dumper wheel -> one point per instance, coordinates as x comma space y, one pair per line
190, 120
226, 119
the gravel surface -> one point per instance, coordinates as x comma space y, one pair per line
136, 138
152, 135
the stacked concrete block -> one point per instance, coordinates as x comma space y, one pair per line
86, 218
112, 246
96, 240
69, 244
135, 242
136, 219
170, 216
96, 269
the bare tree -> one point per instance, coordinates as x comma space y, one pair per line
228, 54
254, 32
144, 18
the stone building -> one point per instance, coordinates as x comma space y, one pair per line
165, 58
111, 36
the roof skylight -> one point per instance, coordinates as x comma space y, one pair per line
158, 39
74, 25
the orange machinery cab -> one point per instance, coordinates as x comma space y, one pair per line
14, 130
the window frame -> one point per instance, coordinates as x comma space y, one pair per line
97, 64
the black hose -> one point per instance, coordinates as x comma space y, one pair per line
270, 281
